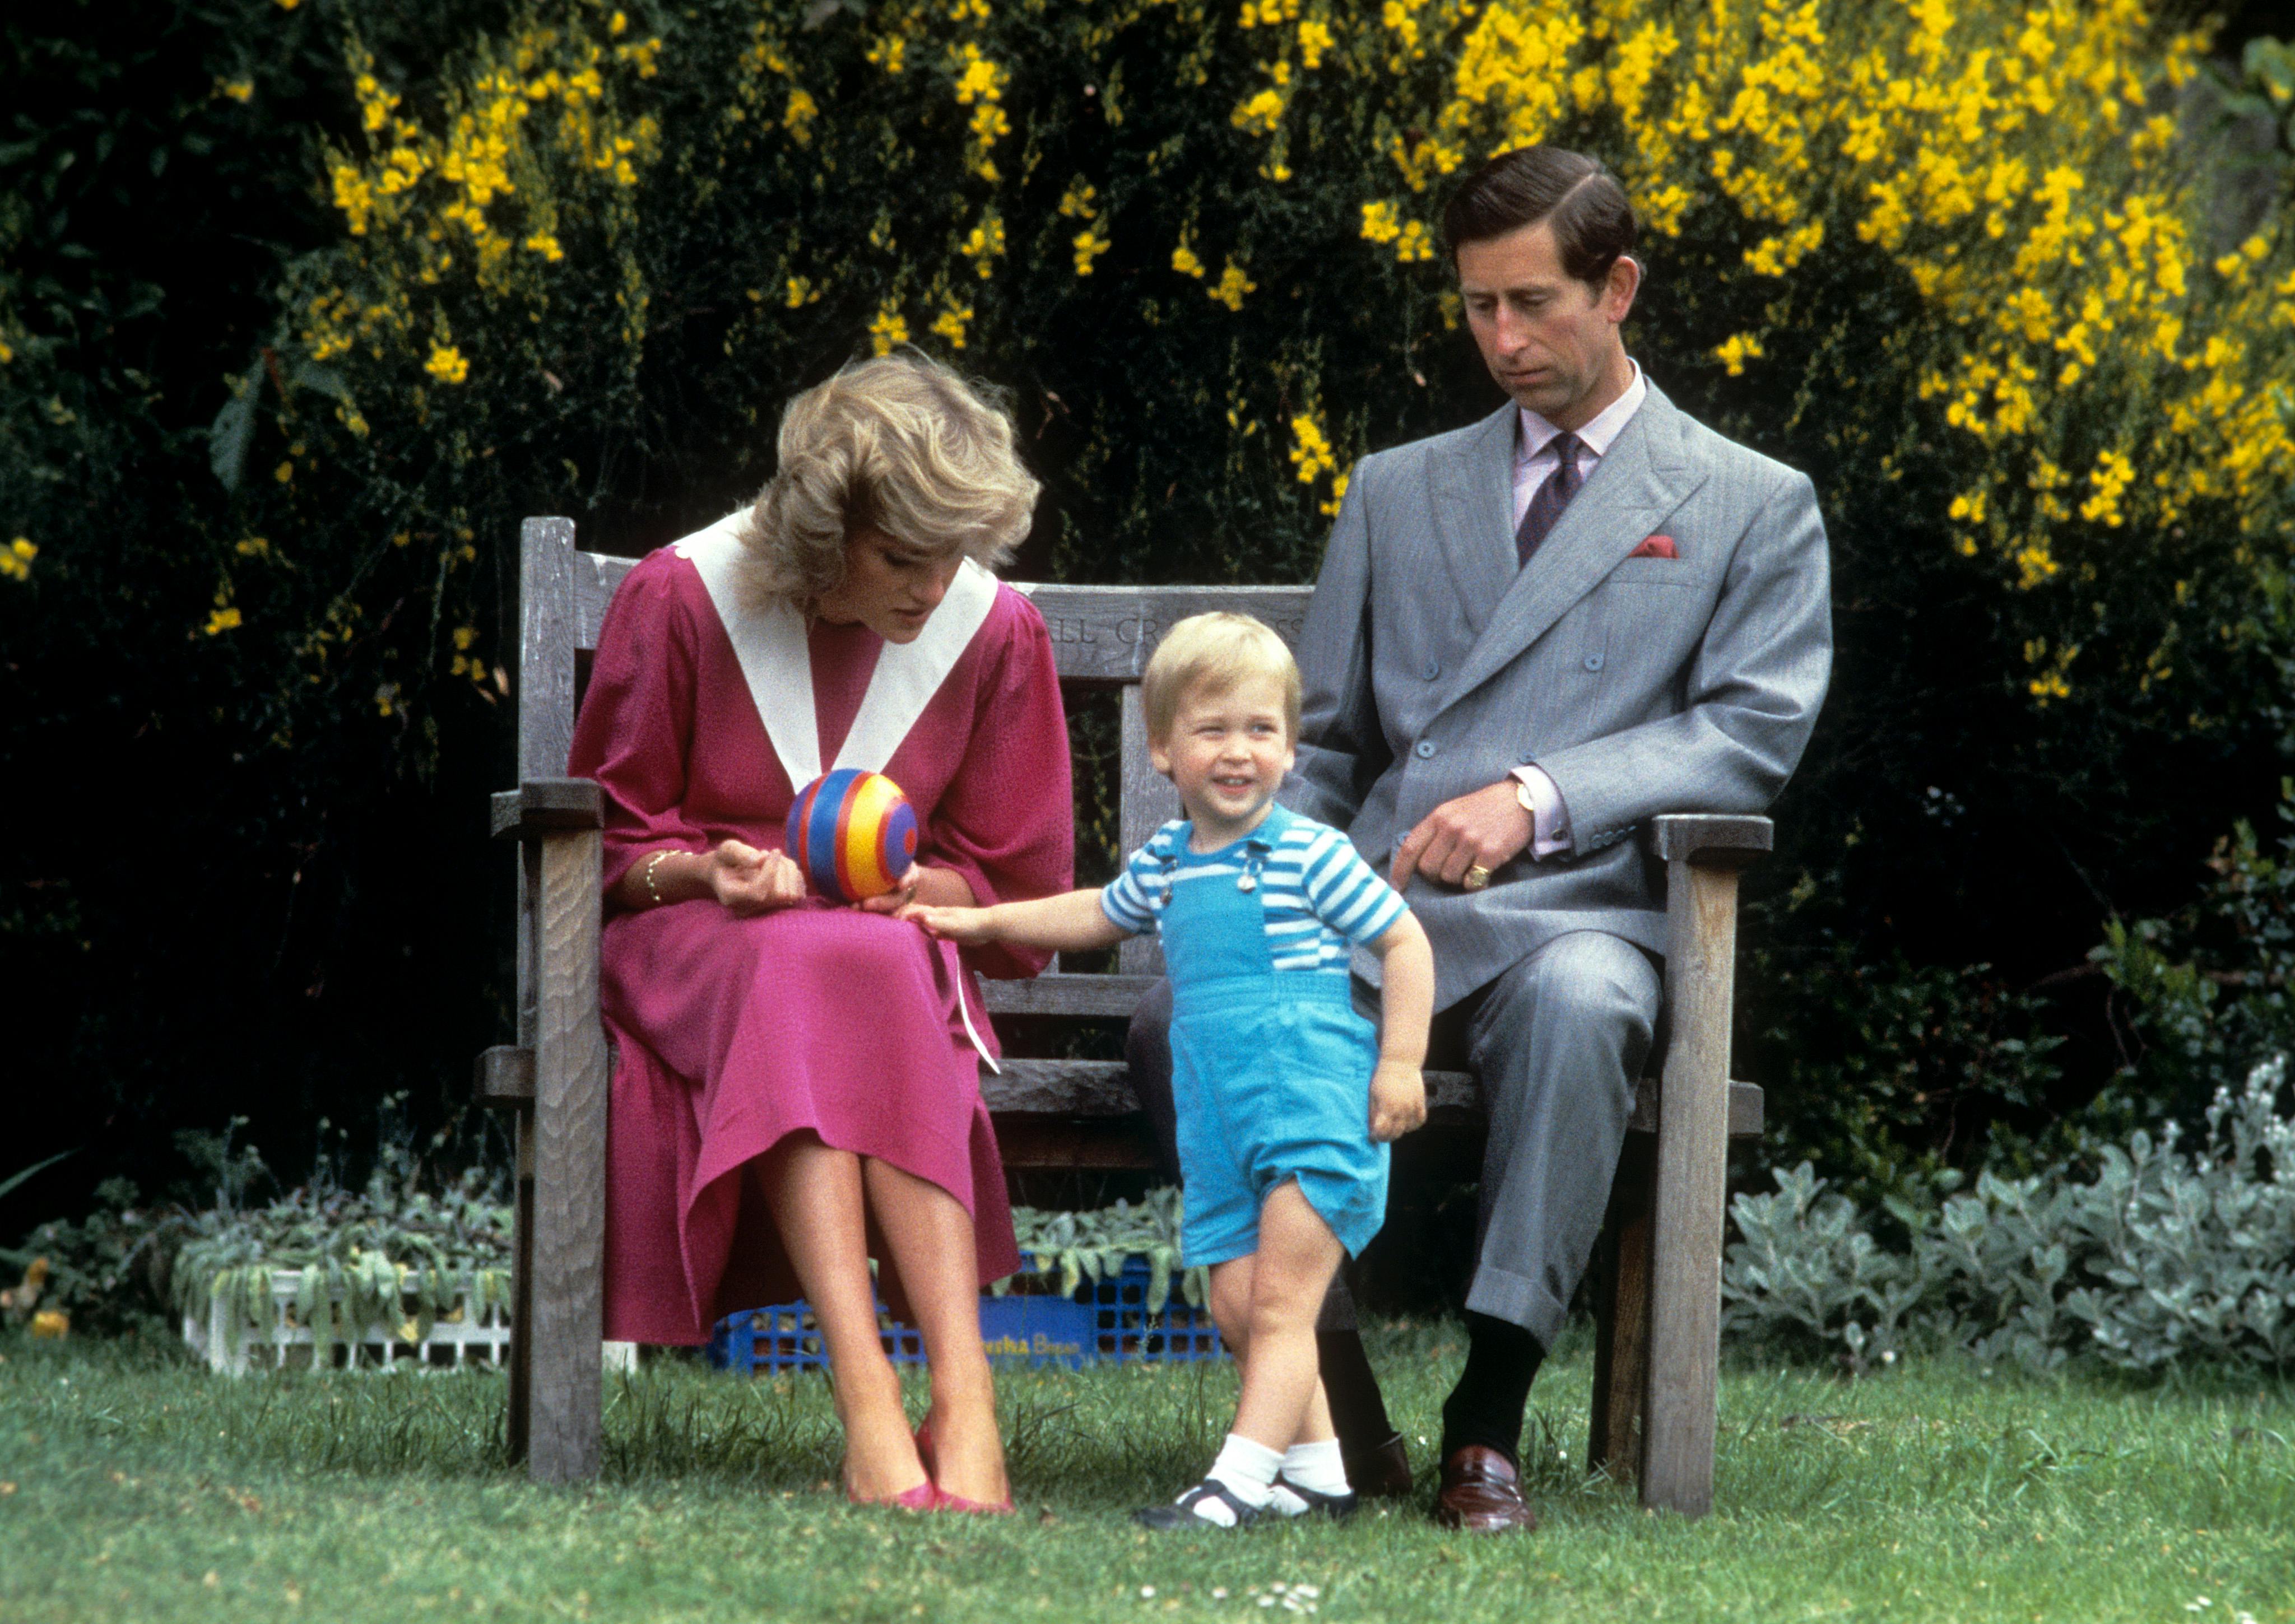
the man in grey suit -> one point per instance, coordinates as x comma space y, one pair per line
1529, 637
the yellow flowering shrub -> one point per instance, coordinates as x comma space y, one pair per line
1982, 269
1961, 260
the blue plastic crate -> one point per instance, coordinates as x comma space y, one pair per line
1105, 1319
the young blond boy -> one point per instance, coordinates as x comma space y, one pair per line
1285, 1097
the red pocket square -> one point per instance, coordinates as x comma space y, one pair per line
1656, 547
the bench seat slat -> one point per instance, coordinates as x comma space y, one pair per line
1055, 992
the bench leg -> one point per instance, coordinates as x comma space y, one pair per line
568, 1300
520, 1426
1622, 1323
1693, 1159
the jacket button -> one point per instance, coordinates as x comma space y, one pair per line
1425, 747
1593, 662
1434, 669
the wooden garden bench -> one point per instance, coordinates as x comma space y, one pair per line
1659, 1263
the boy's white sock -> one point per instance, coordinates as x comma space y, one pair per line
1316, 1467
1245, 1470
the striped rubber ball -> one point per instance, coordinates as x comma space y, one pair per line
854, 834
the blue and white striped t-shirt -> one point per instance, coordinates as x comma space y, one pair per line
1319, 896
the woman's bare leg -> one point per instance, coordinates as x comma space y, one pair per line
930, 1237
815, 1195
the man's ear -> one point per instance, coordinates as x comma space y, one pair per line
1619, 288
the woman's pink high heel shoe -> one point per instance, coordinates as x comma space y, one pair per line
923, 1497
945, 1500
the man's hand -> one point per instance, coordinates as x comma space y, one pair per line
748, 881
1398, 1100
1488, 828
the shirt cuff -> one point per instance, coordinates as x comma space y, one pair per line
1549, 819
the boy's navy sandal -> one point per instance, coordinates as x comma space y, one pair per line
1337, 1508
1182, 1513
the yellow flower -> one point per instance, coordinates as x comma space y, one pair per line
797, 120
465, 636
800, 291
447, 364
50, 1324
982, 79
224, 619
1184, 261
1310, 451
1415, 242
354, 197
951, 325
16, 558
2035, 564
1314, 39
546, 245
1736, 350
2111, 475
284, 473
1260, 114
986, 243
238, 90
1379, 224
887, 330
1089, 245
1233, 284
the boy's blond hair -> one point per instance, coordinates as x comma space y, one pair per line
1214, 652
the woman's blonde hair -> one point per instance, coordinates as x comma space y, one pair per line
901, 444
1212, 653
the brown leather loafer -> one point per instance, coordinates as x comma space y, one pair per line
1380, 1472
1482, 1494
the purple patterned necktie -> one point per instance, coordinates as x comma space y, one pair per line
1547, 502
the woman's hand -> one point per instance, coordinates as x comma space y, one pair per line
923, 887
750, 881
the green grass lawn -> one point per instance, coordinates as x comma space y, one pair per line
133, 1489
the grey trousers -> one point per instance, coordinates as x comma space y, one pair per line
1558, 1043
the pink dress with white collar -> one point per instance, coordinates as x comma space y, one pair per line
730, 1033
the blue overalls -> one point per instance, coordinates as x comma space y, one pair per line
1270, 1070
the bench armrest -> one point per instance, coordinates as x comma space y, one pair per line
1711, 838
540, 805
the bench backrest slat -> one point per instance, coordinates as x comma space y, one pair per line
1101, 635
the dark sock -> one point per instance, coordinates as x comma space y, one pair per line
1486, 1406
1358, 1410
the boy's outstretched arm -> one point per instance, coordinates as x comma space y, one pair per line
1398, 1088
1071, 923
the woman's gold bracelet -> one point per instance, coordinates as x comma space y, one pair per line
653, 863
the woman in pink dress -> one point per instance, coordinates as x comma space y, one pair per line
797, 1083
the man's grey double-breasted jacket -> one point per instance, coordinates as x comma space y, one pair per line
1640, 685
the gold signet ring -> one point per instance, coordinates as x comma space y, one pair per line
1476, 877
